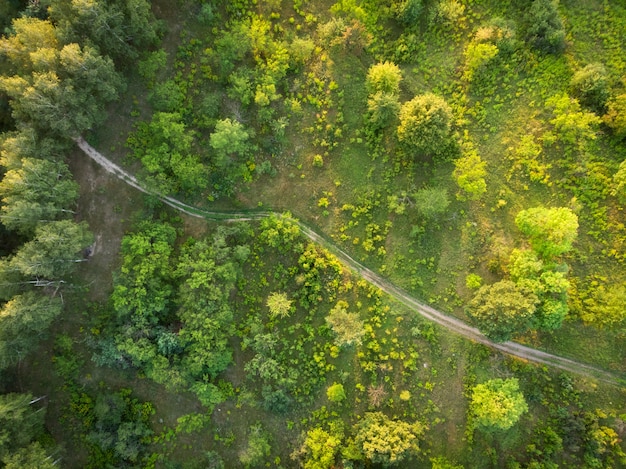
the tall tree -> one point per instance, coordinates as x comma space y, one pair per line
23, 320
54, 251
119, 28
20, 422
40, 190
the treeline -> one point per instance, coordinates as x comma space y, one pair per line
57, 73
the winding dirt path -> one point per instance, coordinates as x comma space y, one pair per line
450, 323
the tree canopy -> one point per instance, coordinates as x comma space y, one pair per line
497, 404
502, 309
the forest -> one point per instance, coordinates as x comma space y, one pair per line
312, 234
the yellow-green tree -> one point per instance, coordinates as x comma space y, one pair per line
385, 441
497, 404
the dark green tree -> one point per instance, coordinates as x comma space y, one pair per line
544, 26
590, 85
23, 322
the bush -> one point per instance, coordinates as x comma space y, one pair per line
336, 393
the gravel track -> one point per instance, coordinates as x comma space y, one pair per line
451, 323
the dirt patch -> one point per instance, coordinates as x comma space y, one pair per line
108, 206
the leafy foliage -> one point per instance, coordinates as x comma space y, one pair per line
502, 309
385, 441
552, 231
497, 404
425, 125
347, 327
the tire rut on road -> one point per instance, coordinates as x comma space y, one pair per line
451, 323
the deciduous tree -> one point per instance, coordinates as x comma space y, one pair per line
23, 321
497, 404
425, 125
502, 309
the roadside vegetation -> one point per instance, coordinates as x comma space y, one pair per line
471, 152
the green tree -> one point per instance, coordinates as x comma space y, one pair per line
385, 441
590, 85
348, 327
320, 448
279, 304
615, 116
502, 309
335, 392
382, 109
119, 28
208, 274
142, 291
32, 456
40, 190
20, 423
165, 148
407, 11
544, 26
229, 140
54, 251
425, 125
552, 231
23, 322
497, 404
469, 173
384, 77
257, 449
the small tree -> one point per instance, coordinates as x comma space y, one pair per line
469, 173
347, 327
497, 404
279, 305
552, 231
425, 125
336, 393
382, 109
257, 449
383, 77
502, 309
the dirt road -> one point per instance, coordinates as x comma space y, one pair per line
450, 323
